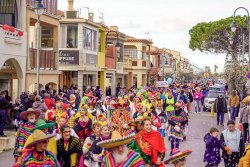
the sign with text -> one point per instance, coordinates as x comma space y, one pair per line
69, 57
161, 84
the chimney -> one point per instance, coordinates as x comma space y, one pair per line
91, 17
70, 5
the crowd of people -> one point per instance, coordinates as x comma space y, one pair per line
127, 129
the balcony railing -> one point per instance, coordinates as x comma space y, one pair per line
47, 59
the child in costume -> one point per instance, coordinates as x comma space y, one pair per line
102, 120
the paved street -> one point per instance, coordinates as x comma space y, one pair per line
198, 126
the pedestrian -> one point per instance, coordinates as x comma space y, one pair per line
9, 106
68, 148
244, 113
96, 152
245, 160
233, 145
17, 109
177, 121
149, 144
83, 124
220, 107
197, 98
178, 159
41, 106
49, 102
233, 104
43, 126
30, 117
36, 153
212, 153
120, 155
96, 128
31, 99
3, 113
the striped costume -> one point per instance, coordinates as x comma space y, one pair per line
33, 159
180, 118
22, 136
133, 160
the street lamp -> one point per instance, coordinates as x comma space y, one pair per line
39, 11
234, 27
164, 59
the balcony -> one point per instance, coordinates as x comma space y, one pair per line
11, 43
47, 59
119, 67
135, 54
49, 5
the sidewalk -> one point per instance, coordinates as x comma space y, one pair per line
7, 143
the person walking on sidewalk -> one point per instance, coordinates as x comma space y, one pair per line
212, 153
3, 113
232, 143
244, 113
220, 107
233, 101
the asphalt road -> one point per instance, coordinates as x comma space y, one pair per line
199, 124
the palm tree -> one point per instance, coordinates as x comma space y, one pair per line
215, 69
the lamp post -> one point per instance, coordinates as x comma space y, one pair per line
39, 11
234, 27
164, 58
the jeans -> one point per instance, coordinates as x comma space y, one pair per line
233, 113
197, 106
220, 118
3, 116
245, 131
174, 143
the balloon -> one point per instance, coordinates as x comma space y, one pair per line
140, 88
145, 88
149, 94
139, 94
20, 33
5, 27
12, 29
145, 95
169, 81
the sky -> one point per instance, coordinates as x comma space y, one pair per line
167, 21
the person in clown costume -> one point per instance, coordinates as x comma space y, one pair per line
63, 120
120, 118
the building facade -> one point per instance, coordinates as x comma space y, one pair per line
136, 61
78, 52
13, 44
49, 75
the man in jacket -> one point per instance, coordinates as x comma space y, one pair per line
233, 101
220, 107
3, 114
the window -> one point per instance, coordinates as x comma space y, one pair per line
47, 37
69, 35
7, 19
89, 41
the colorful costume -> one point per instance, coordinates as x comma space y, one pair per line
33, 158
120, 119
150, 146
133, 160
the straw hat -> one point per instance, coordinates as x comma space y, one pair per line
24, 115
41, 124
177, 155
36, 137
116, 140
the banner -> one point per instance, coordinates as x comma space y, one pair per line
161, 84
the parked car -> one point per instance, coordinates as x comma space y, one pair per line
216, 88
210, 99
